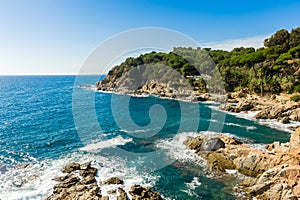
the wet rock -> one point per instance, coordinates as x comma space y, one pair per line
71, 186
79, 183
285, 120
138, 192
113, 180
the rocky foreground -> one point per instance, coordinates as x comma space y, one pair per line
278, 107
272, 174
79, 183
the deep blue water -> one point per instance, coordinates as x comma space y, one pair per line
46, 120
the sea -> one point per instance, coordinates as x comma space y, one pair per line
49, 121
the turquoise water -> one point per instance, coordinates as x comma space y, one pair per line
44, 124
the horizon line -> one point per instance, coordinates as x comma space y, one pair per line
52, 74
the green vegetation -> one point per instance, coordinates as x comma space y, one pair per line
274, 68
295, 98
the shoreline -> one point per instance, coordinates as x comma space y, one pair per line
248, 115
269, 174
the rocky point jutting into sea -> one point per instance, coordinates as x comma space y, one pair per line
79, 182
271, 174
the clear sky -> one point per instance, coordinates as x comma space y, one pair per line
56, 36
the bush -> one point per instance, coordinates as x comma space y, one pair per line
297, 88
295, 98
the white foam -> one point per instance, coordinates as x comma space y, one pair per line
272, 123
231, 171
242, 126
192, 186
175, 148
106, 143
35, 181
137, 131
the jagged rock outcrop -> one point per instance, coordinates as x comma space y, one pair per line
138, 192
113, 180
79, 183
274, 174
244, 105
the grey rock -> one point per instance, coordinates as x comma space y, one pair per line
212, 144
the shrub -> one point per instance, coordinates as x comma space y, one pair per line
295, 98
297, 88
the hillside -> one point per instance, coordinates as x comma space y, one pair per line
274, 68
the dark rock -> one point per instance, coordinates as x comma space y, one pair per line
285, 120
195, 143
212, 144
244, 106
264, 114
139, 192
89, 172
89, 179
113, 180
70, 167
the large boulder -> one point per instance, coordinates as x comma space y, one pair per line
252, 164
264, 114
244, 106
70, 167
212, 144
218, 161
72, 186
113, 180
295, 142
138, 192
227, 107
279, 183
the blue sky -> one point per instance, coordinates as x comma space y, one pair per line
56, 36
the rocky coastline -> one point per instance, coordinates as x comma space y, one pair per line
270, 174
278, 107
79, 182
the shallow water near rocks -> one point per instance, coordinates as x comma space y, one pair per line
37, 126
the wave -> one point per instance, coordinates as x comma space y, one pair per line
272, 123
106, 144
190, 187
242, 126
34, 181
175, 148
